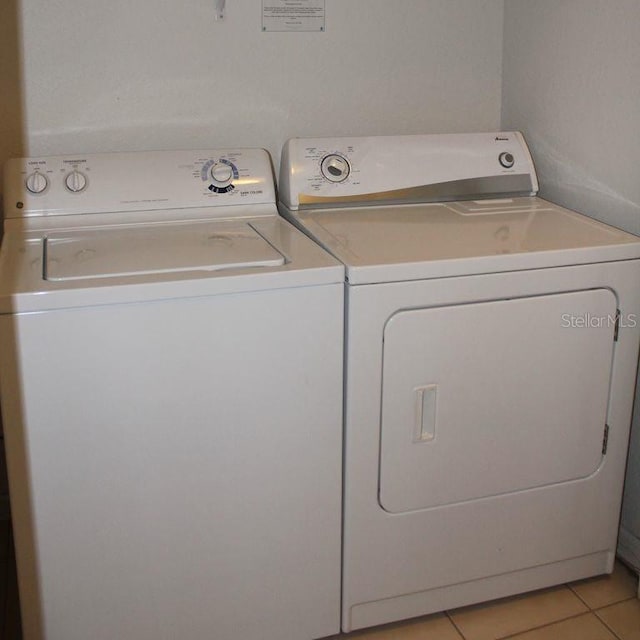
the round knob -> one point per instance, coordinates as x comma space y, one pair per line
335, 168
221, 173
506, 159
75, 181
36, 182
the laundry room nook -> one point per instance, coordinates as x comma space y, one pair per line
320, 319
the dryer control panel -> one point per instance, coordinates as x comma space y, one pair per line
403, 169
137, 181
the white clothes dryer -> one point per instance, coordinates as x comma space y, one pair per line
491, 352
171, 378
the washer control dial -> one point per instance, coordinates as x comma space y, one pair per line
36, 182
335, 167
506, 159
221, 174
75, 181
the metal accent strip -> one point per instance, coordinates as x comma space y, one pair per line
512, 185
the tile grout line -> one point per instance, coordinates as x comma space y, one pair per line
455, 626
604, 606
608, 627
577, 595
542, 626
513, 635
604, 622
590, 611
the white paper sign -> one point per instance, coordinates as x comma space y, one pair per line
293, 15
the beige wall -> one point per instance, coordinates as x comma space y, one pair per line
571, 83
149, 74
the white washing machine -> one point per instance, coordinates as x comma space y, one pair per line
491, 352
171, 377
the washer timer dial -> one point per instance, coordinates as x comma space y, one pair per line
220, 174
335, 167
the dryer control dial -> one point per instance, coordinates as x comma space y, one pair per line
335, 167
506, 159
75, 181
36, 182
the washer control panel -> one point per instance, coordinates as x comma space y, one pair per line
404, 169
137, 181
40, 177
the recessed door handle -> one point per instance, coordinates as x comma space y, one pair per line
426, 400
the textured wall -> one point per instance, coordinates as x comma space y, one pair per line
571, 83
123, 75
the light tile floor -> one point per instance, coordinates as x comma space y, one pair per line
603, 608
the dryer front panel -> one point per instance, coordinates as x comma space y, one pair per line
474, 428
493, 398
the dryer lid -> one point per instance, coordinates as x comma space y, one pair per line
148, 249
411, 242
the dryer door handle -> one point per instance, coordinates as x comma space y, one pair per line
425, 425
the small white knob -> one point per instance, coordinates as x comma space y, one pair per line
75, 181
221, 173
36, 182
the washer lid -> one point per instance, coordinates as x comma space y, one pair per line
146, 249
411, 242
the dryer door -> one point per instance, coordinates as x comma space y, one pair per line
491, 398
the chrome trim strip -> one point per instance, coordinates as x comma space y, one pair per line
512, 185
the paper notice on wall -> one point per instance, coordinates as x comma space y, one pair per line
293, 15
